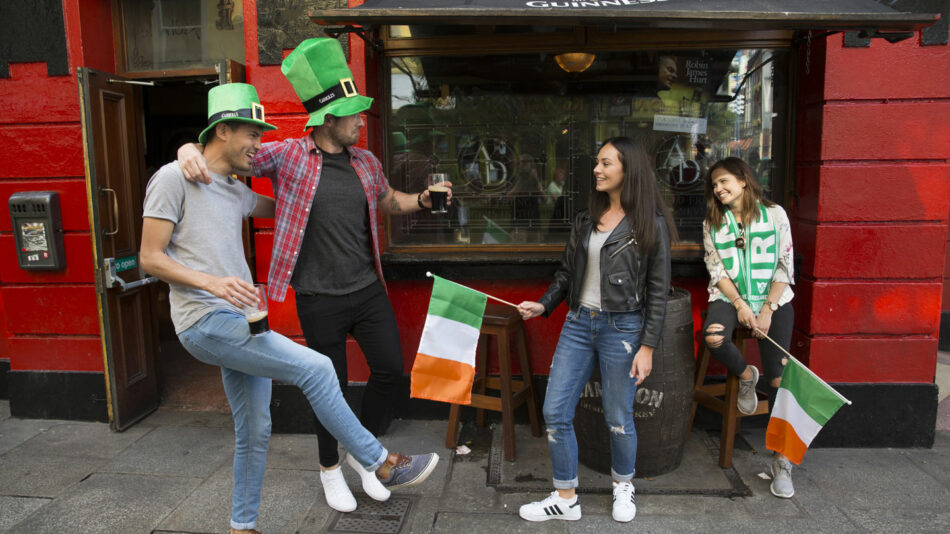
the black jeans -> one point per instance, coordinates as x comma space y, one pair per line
728, 354
368, 316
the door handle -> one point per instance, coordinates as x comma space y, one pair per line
138, 283
115, 210
112, 278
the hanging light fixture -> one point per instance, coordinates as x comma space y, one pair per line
575, 61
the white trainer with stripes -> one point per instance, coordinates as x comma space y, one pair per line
553, 507
625, 507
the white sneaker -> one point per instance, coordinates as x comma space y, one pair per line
553, 507
338, 494
371, 485
625, 507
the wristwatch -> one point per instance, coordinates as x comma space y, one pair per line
772, 305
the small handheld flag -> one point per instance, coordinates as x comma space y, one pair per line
444, 369
803, 404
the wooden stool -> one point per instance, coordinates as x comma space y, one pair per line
721, 398
502, 322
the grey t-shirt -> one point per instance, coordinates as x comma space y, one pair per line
207, 234
590, 288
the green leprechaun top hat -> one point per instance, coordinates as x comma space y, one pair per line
236, 102
318, 72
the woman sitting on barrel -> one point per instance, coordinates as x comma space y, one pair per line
748, 245
615, 276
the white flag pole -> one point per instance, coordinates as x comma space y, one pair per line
430, 275
776, 344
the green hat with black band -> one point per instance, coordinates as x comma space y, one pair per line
318, 72
237, 102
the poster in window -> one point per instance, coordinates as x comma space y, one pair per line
683, 85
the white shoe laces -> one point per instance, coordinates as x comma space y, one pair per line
624, 491
333, 480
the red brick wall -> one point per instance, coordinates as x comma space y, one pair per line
946, 278
51, 322
872, 180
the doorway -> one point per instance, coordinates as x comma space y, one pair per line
175, 112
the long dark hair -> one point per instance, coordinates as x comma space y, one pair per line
715, 211
639, 196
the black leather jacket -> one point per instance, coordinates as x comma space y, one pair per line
630, 279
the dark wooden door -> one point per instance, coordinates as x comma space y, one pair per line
115, 168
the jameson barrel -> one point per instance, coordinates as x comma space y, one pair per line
661, 406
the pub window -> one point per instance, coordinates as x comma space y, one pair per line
179, 35
517, 134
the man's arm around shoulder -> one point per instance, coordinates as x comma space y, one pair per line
265, 207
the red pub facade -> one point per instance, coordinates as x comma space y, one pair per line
849, 130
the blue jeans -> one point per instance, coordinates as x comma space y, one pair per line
589, 337
248, 364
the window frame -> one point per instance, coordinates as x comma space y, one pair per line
121, 53
591, 39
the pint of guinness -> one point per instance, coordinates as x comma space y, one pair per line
256, 314
257, 322
438, 192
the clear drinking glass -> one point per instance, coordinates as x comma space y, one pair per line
257, 314
438, 192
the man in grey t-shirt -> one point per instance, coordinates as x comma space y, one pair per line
191, 238
326, 235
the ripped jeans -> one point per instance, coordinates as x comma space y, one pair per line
587, 338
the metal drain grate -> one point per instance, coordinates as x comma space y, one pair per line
373, 517
496, 455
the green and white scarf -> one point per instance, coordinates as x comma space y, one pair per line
751, 268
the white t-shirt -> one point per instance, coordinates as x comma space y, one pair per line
207, 234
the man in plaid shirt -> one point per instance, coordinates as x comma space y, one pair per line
326, 242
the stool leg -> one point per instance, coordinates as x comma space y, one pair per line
452, 433
729, 419
526, 375
507, 410
703, 364
481, 371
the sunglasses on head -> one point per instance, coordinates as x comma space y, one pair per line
740, 240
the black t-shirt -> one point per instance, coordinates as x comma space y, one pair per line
336, 255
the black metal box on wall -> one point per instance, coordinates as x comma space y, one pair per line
38, 229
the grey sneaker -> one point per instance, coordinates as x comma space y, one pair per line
410, 470
782, 477
746, 400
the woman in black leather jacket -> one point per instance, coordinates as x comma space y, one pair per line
615, 276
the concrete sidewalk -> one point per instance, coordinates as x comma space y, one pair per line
172, 473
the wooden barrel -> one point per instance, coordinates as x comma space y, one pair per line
661, 406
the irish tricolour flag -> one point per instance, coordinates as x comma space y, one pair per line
803, 405
445, 363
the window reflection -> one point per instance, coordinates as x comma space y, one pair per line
181, 34
517, 134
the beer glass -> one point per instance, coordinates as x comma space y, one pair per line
438, 192
256, 314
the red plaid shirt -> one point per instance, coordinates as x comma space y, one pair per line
293, 166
